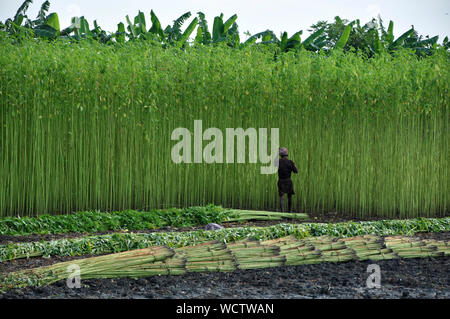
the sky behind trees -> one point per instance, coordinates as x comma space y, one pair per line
428, 17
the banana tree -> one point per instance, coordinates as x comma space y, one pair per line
50, 27
156, 28
266, 37
220, 28
374, 38
14, 26
101, 35
315, 41
203, 35
371, 38
422, 46
172, 35
175, 36
79, 28
136, 28
227, 31
400, 41
287, 43
46, 26
340, 44
446, 43
387, 41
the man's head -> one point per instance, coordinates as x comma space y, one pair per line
283, 152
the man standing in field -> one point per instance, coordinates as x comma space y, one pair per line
285, 186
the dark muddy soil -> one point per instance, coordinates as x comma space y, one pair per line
407, 278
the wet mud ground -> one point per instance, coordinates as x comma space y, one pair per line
405, 278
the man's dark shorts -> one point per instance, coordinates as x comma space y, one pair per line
285, 186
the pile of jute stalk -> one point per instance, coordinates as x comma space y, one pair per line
222, 257
244, 215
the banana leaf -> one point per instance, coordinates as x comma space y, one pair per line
344, 38
45, 31
312, 37
218, 29
401, 39
120, 34
131, 27
187, 32
139, 20
229, 23
156, 26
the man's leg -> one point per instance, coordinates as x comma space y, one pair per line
282, 202
289, 203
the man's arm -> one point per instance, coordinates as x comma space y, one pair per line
294, 169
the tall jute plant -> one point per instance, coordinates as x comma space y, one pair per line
85, 126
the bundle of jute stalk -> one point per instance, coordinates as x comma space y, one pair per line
300, 252
221, 257
122, 264
210, 256
250, 254
416, 248
369, 248
243, 215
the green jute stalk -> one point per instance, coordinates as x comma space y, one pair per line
303, 261
260, 265
334, 246
320, 240
420, 254
246, 255
363, 238
240, 219
415, 249
257, 255
381, 256
280, 241
297, 246
251, 214
194, 264
362, 254
209, 254
367, 246
250, 260
405, 245
342, 252
256, 252
224, 268
337, 259
244, 245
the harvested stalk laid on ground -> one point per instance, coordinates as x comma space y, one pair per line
82, 222
221, 257
243, 215
312, 232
